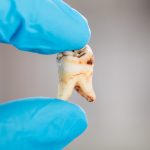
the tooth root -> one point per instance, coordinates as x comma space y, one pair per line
65, 89
84, 88
75, 70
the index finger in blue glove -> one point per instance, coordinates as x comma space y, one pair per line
46, 27
39, 124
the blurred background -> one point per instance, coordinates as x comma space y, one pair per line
120, 118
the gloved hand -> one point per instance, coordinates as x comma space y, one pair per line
39, 124
45, 27
42, 26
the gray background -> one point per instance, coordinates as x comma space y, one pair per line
120, 118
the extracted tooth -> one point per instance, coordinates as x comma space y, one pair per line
75, 69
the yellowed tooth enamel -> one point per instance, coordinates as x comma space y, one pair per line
75, 69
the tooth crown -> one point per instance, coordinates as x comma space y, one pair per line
75, 70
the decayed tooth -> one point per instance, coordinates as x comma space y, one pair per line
75, 69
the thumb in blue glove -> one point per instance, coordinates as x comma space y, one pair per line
39, 124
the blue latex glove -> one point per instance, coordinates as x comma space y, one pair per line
39, 124
46, 27
42, 26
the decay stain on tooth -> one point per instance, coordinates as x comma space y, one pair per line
75, 70
90, 61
